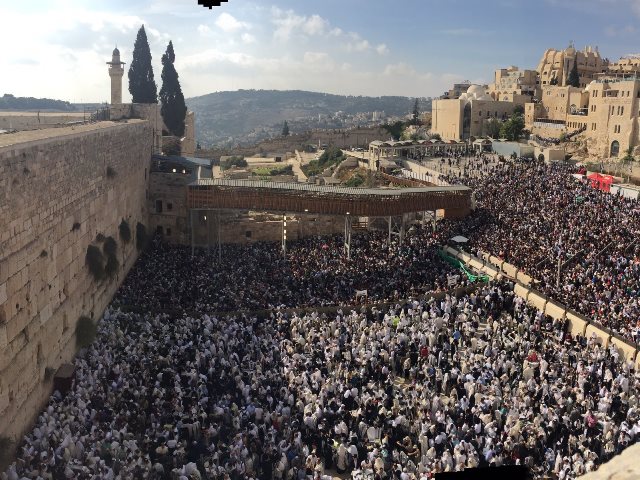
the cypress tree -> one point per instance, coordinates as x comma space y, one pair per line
173, 108
574, 78
141, 83
285, 129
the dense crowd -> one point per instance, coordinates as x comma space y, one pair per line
314, 272
171, 389
536, 216
430, 386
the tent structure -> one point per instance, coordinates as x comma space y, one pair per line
600, 181
459, 239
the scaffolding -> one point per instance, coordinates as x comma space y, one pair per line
393, 204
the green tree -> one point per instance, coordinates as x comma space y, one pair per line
574, 78
513, 128
395, 129
518, 110
142, 86
416, 113
173, 108
492, 127
171, 146
285, 129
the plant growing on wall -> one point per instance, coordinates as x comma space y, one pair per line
111, 173
125, 231
85, 332
6, 448
95, 261
110, 248
141, 236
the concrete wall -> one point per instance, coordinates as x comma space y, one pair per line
55, 197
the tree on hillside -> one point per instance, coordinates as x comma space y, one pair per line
173, 108
285, 129
142, 86
574, 78
395, 129
518, 110
416, 113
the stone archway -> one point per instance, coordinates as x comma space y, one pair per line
615, 148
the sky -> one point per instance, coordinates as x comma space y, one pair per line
58, 48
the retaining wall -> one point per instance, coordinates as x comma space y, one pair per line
578, 324
56, 195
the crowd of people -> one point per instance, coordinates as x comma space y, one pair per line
428, 386
535, 216
314, 272
174, 389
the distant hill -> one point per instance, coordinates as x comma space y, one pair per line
9, 102
248, 116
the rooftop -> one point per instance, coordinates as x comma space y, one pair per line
8, 139
306, 187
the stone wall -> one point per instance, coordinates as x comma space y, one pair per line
37, 120
56, 195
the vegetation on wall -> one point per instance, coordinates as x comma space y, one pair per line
76, 226
85, 332
142, 237
95, 261
125, 231
111, 173
6, 448
110, 248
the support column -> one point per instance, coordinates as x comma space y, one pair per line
402, 228
389, 220
219, 244
193, 248
206, 218
284, 235
347, 235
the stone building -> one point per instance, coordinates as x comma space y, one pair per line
514, 85
555, 65
467, 116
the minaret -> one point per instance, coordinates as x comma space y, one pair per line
116, 70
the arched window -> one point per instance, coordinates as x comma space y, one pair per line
615, 148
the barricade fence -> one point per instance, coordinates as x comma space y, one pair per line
578, 323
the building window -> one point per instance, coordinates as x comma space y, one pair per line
168, 232
158, 206
622, 110
159, 229
247, 234
169, 206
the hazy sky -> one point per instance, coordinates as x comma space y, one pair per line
58, 48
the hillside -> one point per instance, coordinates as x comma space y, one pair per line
248, 116
9, 102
